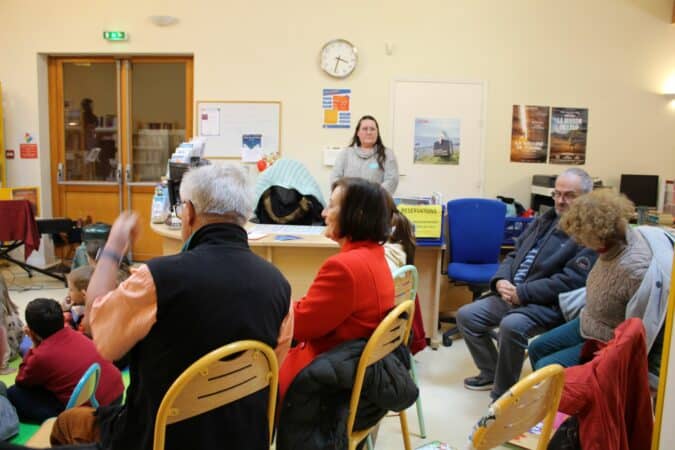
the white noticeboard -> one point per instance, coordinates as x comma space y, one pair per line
228, 127
456, 111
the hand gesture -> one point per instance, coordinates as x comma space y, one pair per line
124, 232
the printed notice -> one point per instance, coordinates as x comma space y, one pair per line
426, 218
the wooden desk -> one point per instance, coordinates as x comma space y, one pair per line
300, 259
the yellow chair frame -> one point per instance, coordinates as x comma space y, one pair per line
393, 331
211, 382
532, 399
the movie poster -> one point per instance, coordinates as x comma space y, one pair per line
529, 134
569, 129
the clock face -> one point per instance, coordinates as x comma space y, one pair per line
338, 58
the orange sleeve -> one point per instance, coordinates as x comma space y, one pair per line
125, 315
329, 301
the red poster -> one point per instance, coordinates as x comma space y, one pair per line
28, 151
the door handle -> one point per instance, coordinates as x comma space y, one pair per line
59, 172
118, 175
127, 173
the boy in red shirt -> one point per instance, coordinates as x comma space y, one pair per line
52, 368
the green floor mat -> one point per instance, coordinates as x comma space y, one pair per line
26, 431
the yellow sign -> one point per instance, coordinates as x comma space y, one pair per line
427, 219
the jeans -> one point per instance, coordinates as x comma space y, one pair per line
34, 404
476, 319
561, 345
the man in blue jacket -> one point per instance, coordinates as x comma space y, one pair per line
544, 263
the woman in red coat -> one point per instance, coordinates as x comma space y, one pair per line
353, 290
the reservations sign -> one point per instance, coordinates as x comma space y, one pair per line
427, 219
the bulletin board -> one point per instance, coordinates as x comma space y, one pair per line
229, 127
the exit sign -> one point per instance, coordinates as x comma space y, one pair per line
115, 35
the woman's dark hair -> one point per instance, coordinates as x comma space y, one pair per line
44, 317
379, 146
364, 214
402, 231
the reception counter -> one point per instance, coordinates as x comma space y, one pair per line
300, 259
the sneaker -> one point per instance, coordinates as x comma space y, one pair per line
478, 383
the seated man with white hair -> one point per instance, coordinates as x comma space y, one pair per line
175, 309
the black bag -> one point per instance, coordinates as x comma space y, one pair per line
278, 205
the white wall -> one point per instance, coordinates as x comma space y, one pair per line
611, 56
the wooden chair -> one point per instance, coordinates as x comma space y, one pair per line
211, 382
84, 391
532, 399
406, 281
393, 331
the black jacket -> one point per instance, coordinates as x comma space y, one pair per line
315, 409
214, 293
560, 265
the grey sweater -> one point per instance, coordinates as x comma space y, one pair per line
360, 163
613, 281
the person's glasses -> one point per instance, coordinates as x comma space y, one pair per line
180, 208
569, 196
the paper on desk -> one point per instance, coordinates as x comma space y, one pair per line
297, 230
255, 235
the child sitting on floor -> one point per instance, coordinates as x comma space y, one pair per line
53, 367
73, 304
11, 329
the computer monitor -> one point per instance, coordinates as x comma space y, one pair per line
176, 172
643, 190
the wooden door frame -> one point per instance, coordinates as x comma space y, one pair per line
57, 133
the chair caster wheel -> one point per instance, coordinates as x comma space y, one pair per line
447, 341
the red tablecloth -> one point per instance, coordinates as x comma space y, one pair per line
17, 223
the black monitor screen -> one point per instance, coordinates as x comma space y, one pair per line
643, 190
176, 172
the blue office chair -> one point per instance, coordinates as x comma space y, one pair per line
476, 233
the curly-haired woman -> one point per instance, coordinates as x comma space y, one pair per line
598, 220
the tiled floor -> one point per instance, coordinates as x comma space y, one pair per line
450, 410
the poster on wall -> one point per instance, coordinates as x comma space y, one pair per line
569, 129
437, 141
336, 108
529, 133
251, 147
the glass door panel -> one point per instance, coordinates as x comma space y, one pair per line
158, 93
90, 121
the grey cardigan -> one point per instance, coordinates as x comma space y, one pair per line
360, 163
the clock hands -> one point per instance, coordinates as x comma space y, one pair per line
338, 60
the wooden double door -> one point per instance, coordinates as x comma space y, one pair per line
114, 122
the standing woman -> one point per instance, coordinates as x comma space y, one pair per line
367, 157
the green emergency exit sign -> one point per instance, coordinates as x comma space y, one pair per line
115, 35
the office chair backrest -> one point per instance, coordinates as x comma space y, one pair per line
405, 283
393, 331
211, 382
476, 230
532, 399
85, 390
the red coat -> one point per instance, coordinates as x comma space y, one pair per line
350, 295
610, 394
